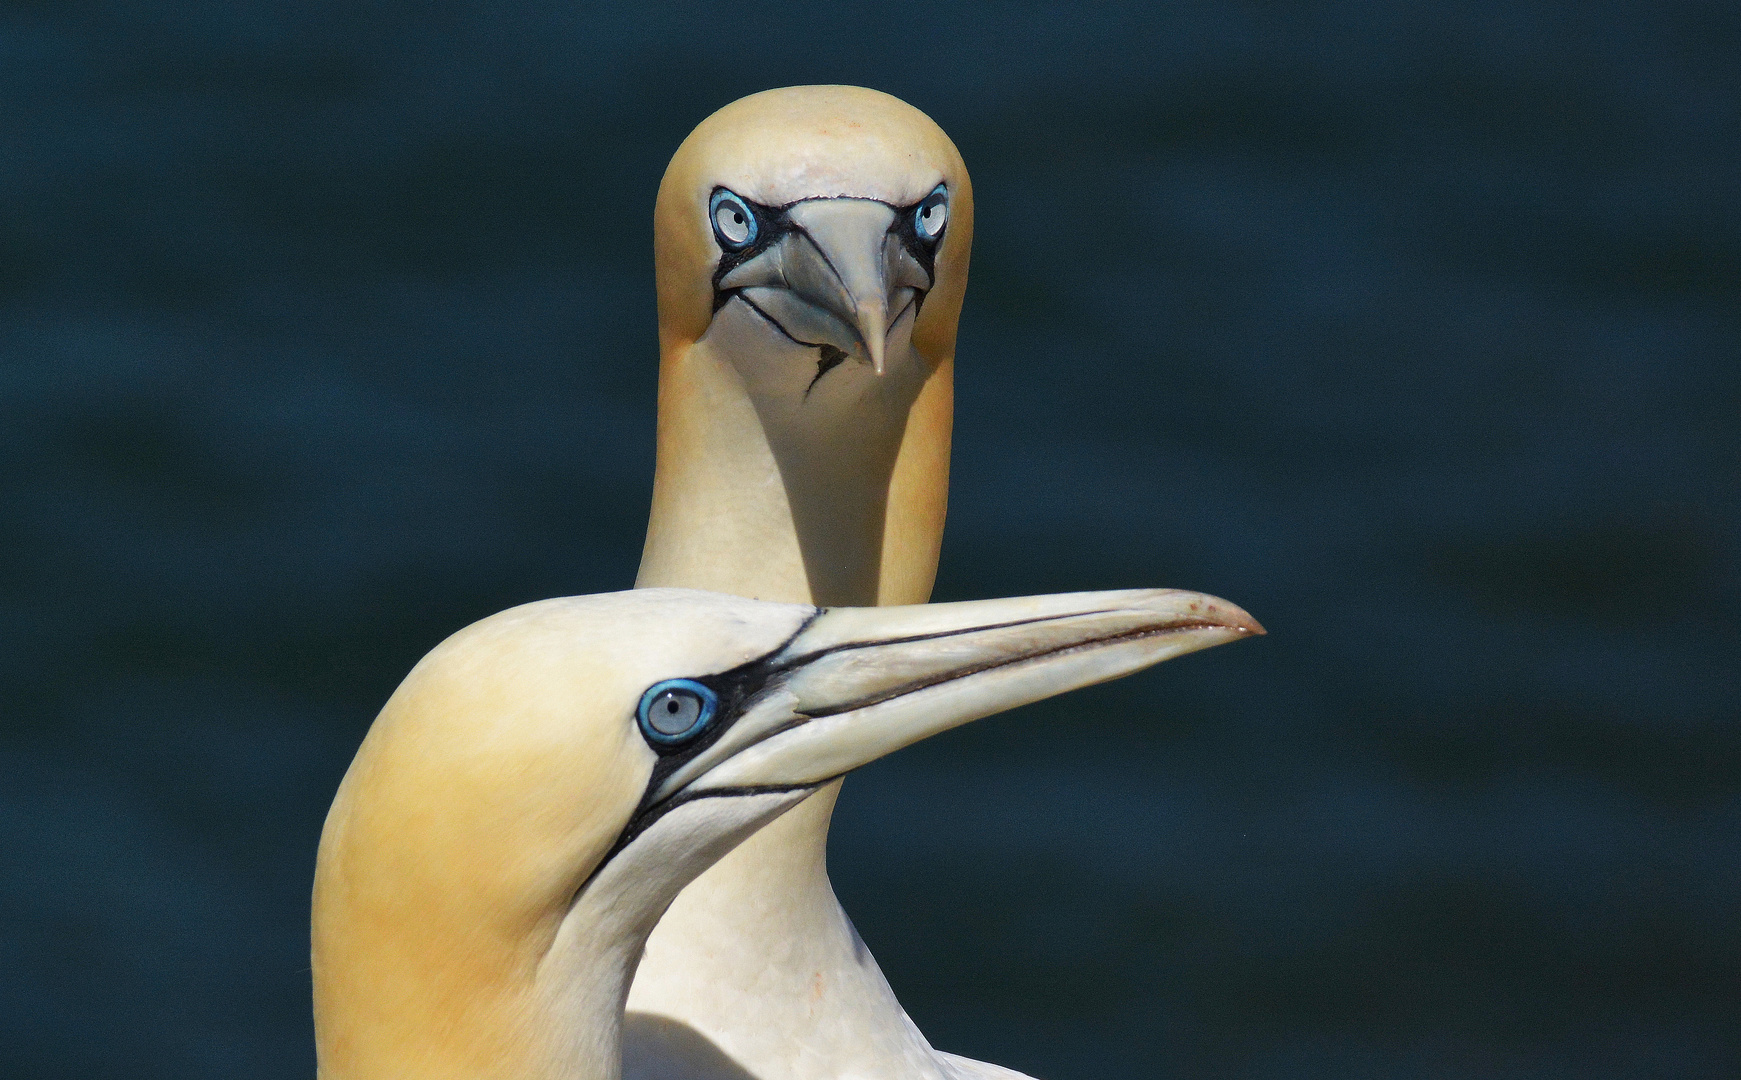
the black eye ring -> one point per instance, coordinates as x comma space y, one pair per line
734, 223
931, 216
675, 711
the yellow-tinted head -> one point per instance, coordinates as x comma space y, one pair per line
543, 783
493, 782
812, 247
783, 147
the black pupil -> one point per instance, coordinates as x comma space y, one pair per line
737, 217
675, 713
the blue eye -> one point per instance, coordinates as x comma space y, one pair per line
930, 216
676, 710
734, 223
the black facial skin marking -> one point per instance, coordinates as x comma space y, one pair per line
774, 222
831, 358
734, 688
739, 687
923, 251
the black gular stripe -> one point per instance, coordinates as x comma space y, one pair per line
831, 359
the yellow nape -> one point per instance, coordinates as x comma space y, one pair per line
488, 788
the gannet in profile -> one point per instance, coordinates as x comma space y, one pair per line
811, 247
543, 783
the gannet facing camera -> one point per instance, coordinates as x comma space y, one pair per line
811, 246
544, 782
811, 249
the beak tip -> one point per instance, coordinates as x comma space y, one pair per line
1211, 612
873, 329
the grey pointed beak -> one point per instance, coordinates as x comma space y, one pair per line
849, 278
840, 278
859, 683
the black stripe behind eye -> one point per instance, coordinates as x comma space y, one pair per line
737, 689
772, 223
923, 252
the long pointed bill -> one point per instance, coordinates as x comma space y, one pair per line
841, 278
858, 683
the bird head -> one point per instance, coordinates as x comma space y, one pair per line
541, 786
811, 246
835, 218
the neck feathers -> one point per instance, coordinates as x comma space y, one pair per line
833, 498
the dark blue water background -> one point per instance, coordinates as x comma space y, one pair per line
327, 328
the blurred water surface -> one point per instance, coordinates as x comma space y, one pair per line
328, 328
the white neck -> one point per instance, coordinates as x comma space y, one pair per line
407, 988
775, 484
830, 495
583, 979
